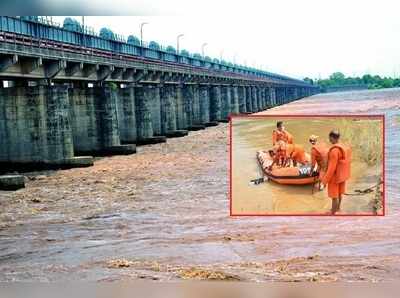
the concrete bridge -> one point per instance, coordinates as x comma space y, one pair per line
62, 100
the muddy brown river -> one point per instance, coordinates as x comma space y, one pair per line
253, 134
163, 214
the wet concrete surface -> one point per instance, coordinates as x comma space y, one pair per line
164, 213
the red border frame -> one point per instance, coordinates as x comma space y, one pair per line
374, 116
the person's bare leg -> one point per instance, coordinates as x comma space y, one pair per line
340, 203
334, 206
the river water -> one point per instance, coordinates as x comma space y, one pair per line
168, 205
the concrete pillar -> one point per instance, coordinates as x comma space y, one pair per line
169, 127
127, 115
254, 99
249, 102
35, 128
242, 99
278, 93
204, 97
197, 118
181, 120
144, 123
152, 93
272, 96
260, 98
234, 100
215, 103
191, 94
267, 96
296, 93
95, 121
225, 103
168, 108
281, 92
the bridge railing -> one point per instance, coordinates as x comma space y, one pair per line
56, 36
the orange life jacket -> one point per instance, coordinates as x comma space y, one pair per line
343, 169
282, 136
322, 158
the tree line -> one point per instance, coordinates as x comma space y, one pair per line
338, 79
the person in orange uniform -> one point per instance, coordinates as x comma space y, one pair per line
286, 152
280, 134
338, 170
319, 155
278, 156
295, 153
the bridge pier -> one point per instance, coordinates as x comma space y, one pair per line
196, 106
35, 129
272, 96
267, 100
181, 117
249, 106
215, 103
260, 98
144, 123
235, 100
242, 99
204, 97
95, 121
169, 125
296, 93
153, 97
254, 99
225, 103
191, 94
278, 96
168, 109
127, 115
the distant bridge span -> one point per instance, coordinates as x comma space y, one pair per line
137, 95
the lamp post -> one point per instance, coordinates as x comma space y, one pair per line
141, 33
202, 48
221, 55
177, 42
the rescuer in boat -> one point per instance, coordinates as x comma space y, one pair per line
280, 134
285, 153
319, 157
278, 157
338, 170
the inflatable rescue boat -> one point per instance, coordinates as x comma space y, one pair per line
298, 175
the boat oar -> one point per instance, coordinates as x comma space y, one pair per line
258, 181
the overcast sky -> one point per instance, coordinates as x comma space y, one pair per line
296, 38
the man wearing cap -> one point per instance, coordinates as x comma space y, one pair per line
280, 134
319, 155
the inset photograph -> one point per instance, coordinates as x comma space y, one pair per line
307, 165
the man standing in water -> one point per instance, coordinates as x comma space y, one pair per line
338, 170
280, 134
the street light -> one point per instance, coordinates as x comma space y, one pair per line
177, 42
202, 48
141, 33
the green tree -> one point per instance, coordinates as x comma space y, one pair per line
337, 77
